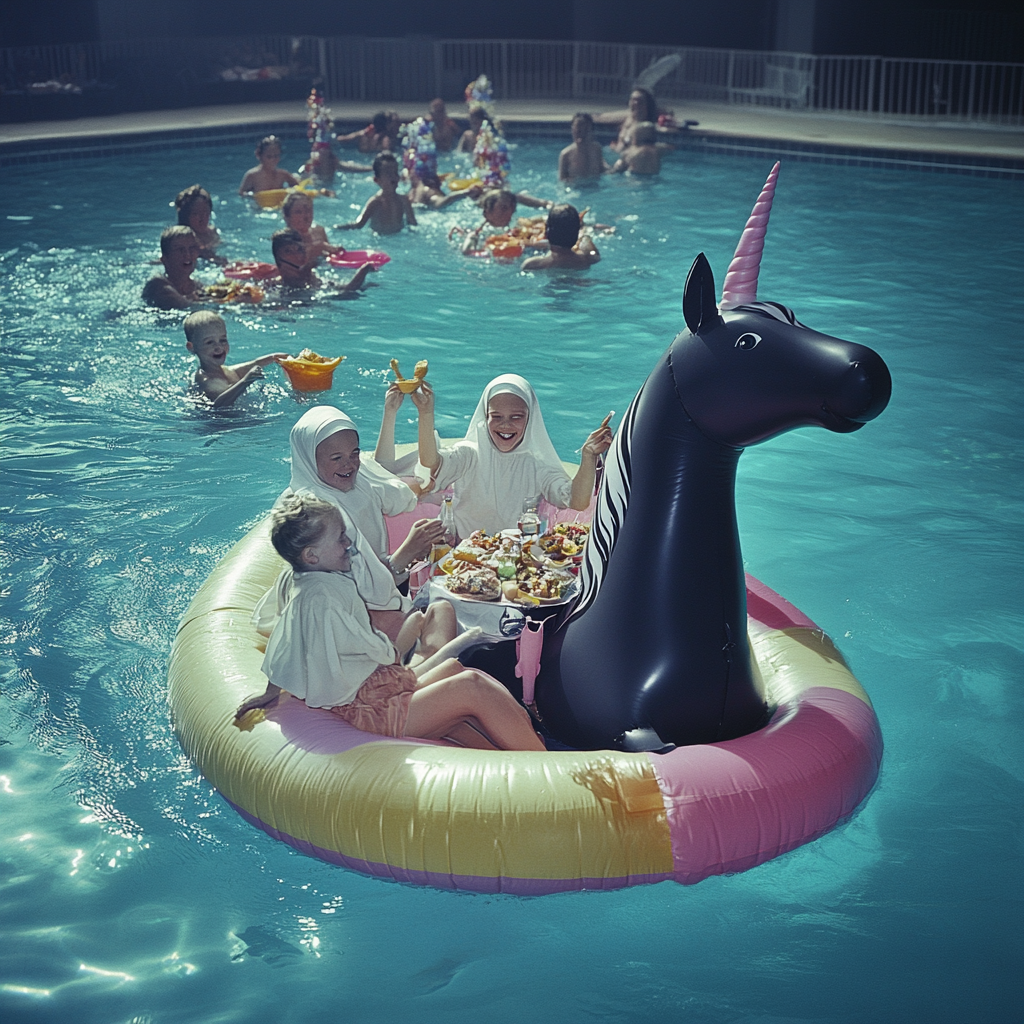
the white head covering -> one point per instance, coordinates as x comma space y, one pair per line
374, 580
492, 499
376, 491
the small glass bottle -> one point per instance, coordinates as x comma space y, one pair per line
529, 521
450, 538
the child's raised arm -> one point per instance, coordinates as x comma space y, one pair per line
423, 399
384, 453
597, 443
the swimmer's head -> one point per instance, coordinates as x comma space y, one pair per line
309, 534
582, 127
499, 206
385, 170
179, 249
477, 116
298, 211
437, 109
206, 336
642, 105
645, 134
194, 206
290, 256
379, 122
563, 225
268, 150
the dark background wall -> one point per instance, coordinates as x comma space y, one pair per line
941, 29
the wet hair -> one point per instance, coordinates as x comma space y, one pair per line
168, 235
492, 199
478, 111
187, 198
194, 323
649, 101
270, 140
293, 199
645, 134
430, 179
581, 116
286, 238
381, 159
563, 225
379, 122
298, 521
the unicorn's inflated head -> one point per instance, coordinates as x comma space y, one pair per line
752, 371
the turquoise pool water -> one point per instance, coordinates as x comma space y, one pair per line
130, 892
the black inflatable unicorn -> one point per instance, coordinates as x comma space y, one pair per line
655, 651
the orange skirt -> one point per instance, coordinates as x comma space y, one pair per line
381, 704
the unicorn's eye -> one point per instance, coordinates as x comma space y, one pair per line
747, 341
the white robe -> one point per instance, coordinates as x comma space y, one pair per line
322, 647
490, 486
376, 493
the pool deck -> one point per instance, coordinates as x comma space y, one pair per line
958, 143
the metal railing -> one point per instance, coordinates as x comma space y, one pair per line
141, 74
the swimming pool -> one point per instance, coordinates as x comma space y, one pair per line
131, 892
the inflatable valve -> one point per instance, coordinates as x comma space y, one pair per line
529, 645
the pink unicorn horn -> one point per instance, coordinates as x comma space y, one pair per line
741, 279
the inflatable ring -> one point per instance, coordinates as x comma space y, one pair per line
273, 198
521, 822
357, 257
249, 270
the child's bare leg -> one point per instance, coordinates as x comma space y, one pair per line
472, 697
440, 627
390, 623
411, 631
466, 736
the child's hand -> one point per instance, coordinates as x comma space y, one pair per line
423, 399
267, 699
256, 373
393, 398
599, 441
425, 533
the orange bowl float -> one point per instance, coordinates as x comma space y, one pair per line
310, 372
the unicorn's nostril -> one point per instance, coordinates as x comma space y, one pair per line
864, 389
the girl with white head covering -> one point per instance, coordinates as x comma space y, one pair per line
326, 461
505, 458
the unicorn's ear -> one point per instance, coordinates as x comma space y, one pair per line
699, 307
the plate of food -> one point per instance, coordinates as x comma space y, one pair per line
545, 586
477, 585
557, 549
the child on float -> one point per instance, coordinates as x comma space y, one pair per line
387, 210
323, 165
505, 458
175, 289
296, 270
584, 158
325, 650
642, 155
498, 207
195, 208
327, 461
379, 135
568, 249
266, 174
206, 337
297, 211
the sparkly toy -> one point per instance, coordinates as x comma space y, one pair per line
491, 156
419, 152
480, 93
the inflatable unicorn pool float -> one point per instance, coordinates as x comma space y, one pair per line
714, 725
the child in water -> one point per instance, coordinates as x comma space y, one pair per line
207, 338
324, 649
505, 458
584, 158
569, 249
298, 215
387, 210
195, 207
266, 174
175, 289
641, 155
296, 269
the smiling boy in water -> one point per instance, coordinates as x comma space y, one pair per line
175, 289
386, 210
207, 338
